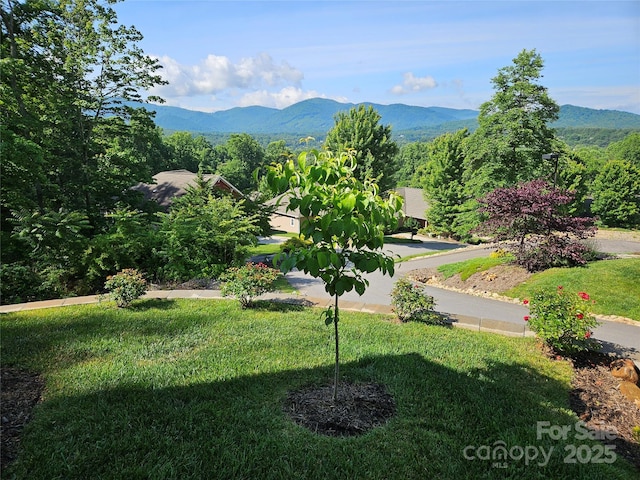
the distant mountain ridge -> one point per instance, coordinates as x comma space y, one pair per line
316, 115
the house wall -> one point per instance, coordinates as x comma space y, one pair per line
284, 223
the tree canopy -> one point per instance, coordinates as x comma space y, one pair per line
513, 131
360, 130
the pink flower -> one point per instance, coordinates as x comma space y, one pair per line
583, 295
525, 301
526, 318
587, 335
580, 316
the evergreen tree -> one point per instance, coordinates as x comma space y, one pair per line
360, 130
513, 128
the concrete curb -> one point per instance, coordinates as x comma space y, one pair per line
477, 324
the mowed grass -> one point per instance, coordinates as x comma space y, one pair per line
614, 285
193, 389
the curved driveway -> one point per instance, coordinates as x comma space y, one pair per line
614, 335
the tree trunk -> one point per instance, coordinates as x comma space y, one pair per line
336, 376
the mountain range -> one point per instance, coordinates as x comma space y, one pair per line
316, 115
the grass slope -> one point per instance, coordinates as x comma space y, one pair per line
194, 389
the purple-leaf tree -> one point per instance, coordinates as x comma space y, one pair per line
532, 219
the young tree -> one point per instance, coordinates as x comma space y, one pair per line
359, 130
513, 128
344, 217
531, 218
616, 195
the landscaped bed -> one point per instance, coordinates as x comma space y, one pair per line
200, 389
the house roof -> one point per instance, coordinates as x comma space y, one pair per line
414, 204
173, 183
281, 202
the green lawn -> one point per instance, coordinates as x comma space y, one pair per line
194, 389
613, 284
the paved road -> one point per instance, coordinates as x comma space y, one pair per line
614, 335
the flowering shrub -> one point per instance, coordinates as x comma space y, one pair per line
562, 320
126, 286
409, 302
247, 282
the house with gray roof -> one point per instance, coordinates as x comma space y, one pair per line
173, 183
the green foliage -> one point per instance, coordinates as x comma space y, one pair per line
343, 216
443, 182
248, 282
410, 303
188, 152
202, 236
627, 149
562, 320
409, 159
19, 283
126, 286
616, 195
513, 131
55, 242
295, 243
238, 158
374, 150
130, 241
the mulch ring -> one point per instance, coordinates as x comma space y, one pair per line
360, 407
19, 392
596, 398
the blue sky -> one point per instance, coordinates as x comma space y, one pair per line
223, 54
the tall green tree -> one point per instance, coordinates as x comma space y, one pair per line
71, 144
444, 184
513, 128
188, 152
69, 70
238, 158
627, 149
360, 130
616, 194
410, 158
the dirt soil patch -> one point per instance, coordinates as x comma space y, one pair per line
359, 408
489, 283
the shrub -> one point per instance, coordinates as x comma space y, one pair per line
562, 320
295, 243
409, 302
248, 282
126, 286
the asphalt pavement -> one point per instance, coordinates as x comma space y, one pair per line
623, 338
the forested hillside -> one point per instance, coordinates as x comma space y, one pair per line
316, 115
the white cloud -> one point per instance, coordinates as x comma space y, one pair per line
412, 84
282, 99
216, 73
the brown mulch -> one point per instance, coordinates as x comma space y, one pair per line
19, 392
595, 397
359, 408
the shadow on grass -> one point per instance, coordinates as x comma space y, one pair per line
446, 420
